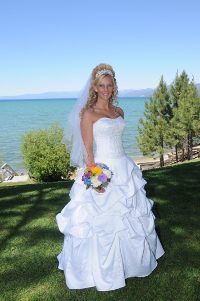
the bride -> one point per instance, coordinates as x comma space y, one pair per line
109, 233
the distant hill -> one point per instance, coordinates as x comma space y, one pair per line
74, 94
136, 93
143, 92
47, 95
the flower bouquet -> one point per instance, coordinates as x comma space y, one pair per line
96, 174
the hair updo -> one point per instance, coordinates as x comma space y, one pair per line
93, 96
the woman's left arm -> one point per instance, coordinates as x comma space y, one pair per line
87, 134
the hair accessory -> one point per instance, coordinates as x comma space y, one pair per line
104, 71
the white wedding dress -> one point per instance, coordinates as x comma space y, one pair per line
109, 236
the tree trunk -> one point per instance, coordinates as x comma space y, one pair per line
161, 161
190, 157
161, 158
189, 146
183, 152
176, 154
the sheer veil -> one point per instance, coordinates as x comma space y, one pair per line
72, 136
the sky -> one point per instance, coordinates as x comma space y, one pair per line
53, 45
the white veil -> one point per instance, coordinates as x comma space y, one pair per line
72, 137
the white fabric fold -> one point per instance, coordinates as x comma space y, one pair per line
109, 236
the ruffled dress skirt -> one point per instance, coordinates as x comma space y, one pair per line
111, 236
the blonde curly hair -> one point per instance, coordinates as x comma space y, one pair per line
93, 96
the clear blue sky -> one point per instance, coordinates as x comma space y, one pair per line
53, 45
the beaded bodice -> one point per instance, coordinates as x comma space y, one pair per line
107, 135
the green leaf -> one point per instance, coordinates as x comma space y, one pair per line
44, 155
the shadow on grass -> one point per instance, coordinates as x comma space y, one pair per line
31, 240
176, 193
21, 204
31, 201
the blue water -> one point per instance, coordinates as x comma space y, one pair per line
19, 116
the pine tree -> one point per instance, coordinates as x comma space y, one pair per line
179, 85
189, 112
153, 133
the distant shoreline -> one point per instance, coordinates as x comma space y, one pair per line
128, 93
137, 160
66, 98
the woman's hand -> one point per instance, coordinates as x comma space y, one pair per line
102, 190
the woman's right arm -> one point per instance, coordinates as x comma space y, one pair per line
87, 134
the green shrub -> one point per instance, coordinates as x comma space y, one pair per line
44, 155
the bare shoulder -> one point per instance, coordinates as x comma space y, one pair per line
87, 114
120, 111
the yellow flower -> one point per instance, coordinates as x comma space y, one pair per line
97, 170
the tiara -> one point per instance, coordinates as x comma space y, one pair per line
104, 71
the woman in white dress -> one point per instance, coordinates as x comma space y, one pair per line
109, 233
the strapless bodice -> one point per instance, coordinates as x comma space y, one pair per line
107, 135
109, 236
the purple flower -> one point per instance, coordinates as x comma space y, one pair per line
99, 164
102, 178
102, 165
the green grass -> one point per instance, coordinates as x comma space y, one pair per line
30, 240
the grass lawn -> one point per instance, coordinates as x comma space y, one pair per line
30, 240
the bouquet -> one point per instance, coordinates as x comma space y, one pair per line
96, 174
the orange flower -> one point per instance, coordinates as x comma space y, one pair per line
90, 166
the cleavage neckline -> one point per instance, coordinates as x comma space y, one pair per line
107, 118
